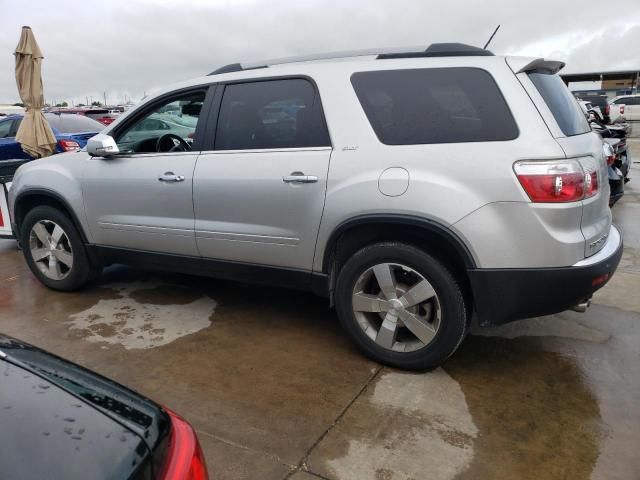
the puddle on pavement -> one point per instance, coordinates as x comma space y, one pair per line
143, 315
500, 409
536, 417
405, 427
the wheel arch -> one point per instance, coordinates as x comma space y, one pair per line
408, 222
430, 235
33, 197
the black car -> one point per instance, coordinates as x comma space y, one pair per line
61, 421
600, 101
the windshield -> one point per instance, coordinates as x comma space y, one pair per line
72, 123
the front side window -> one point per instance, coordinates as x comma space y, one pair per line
434, 105
270, 114
167, 127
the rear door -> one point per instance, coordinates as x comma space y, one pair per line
259, 194
568, 125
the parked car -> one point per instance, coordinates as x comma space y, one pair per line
600, 101
71, 132
627, 107
60, 420
589, 109
615, 175
413, 190
102, 115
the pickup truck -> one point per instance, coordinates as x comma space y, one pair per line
625, 106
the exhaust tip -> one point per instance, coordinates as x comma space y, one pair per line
582, 306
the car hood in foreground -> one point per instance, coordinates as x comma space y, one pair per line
60, 420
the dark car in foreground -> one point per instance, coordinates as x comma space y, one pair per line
71, 132
61, 421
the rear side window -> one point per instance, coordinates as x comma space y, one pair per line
72, 123
562, 104
434, 105
270, 114
5, 128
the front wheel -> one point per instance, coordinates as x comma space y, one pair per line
54, 250
401, 306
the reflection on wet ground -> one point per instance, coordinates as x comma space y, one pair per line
276, 390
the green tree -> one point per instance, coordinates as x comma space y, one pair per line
18, 104
96, 103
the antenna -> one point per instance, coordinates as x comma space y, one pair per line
491, 37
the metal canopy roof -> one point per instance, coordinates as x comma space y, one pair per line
598, 76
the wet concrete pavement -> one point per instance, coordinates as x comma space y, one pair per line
276, 390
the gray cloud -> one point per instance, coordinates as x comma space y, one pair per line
126, 48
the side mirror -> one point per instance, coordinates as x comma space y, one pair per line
102, 145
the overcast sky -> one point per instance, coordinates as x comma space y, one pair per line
127, 47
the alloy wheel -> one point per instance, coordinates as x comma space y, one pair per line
51, 249
396, 307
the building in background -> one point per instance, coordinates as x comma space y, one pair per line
611, 84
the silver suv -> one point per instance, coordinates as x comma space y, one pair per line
414, 189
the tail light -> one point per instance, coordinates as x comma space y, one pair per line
69, 145
185, 460
1, 219
609, 154
607, 109
590, 183
558, 181
621, 109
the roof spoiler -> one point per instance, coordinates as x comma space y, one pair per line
542, 65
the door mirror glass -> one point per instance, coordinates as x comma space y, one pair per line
102, 145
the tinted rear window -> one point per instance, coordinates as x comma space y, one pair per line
562, 104
71, 123
434, 105
271, 114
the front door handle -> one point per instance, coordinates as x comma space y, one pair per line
299, 177
170, 177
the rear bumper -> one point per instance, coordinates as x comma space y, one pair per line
504, 295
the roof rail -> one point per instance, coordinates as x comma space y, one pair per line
434, 50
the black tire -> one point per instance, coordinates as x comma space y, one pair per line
82, 269
454, 320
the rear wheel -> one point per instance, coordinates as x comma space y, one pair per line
401, 306
54, 250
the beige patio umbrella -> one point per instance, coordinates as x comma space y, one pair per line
34, 134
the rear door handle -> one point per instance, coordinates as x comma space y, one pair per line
170, 177
298, 177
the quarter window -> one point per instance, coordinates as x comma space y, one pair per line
434, 105
5, 128
270, 114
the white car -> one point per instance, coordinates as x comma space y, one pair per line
627, 106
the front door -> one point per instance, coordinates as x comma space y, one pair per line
259, 195
142, 198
